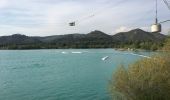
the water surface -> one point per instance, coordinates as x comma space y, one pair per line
74, 74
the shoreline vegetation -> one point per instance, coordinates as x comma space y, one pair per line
136, 39
146, 79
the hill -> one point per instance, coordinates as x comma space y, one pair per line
138, 35
18, 39
94, 39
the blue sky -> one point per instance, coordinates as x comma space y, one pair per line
51, 17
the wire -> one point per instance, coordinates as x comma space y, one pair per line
164, 21
99, 11
167, 4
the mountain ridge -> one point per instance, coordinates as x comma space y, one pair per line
138, 35
94, 39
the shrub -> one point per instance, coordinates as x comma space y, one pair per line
148, 79
167, 45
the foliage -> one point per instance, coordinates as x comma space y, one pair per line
147, 79
167, 45
135, 39
87, 44
146, 45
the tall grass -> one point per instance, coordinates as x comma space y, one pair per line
167, 45
147, 79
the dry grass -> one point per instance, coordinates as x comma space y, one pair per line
147, 79
167, 45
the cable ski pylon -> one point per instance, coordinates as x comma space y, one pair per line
156, 27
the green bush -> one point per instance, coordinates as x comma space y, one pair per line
148, 79
167, 45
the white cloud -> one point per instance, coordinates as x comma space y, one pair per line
123, 29
51, 17
4, 3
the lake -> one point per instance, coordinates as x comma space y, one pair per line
69, 74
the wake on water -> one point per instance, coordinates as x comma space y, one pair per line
72, 52
140, 55
64, 52
77, 52
144, 56
106, 57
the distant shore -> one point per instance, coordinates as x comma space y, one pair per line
117, 49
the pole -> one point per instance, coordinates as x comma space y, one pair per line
156, 17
